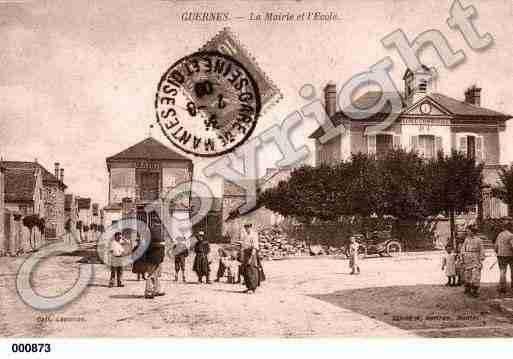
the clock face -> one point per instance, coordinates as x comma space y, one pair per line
425, 108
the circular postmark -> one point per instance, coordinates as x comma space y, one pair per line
207, 104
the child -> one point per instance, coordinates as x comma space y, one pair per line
353, 256
116, 252
181, 252
449, 264
232, 267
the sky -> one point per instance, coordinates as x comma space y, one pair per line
78, 78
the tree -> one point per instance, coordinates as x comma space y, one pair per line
30, 222
400, 186
504, 190
455, 183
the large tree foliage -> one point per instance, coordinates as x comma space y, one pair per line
400, 184
504, 189
455, 183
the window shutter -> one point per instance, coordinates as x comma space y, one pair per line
438, 145
396, 142
371, 144
463, 145
479, 149
414, 143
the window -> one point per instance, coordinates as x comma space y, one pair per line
382, 143
472, 146
427, 146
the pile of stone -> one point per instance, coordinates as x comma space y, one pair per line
275, 244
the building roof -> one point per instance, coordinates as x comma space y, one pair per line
83, 203
149, 149
233, 189
462, 108
20, 184
48, 177
455, 107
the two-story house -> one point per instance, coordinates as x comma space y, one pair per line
53, 195
427, 122
144, 173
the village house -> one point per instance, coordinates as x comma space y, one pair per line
234, 197
85, 213
23, 196
212, 222
428, 122
70, 212
143, 173
53, 195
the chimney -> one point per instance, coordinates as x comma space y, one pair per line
57, 169
62, 175
330, 98
473, 95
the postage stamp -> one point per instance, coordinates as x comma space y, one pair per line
227, 43
207, 103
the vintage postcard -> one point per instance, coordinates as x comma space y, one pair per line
255, 169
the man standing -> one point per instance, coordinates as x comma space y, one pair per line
116, 267
154, 257
201, 264
473, 256
504, 251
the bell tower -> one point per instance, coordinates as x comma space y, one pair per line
417, 83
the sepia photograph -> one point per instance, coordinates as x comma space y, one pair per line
255, 170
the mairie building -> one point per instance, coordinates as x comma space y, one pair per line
427, 122
142, 174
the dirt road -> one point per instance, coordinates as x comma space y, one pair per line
309, 297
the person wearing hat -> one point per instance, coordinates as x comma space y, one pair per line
154, 257
473, 257
201, 264
504, 251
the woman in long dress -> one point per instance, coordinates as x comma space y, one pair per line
251, 270
201, 264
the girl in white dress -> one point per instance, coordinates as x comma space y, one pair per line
449, 264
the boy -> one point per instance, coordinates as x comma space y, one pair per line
116, 268
181, 252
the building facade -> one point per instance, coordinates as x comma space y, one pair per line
143, 173
234, 197
427, 122
23, 196
53, 195
85, 213
70, 212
